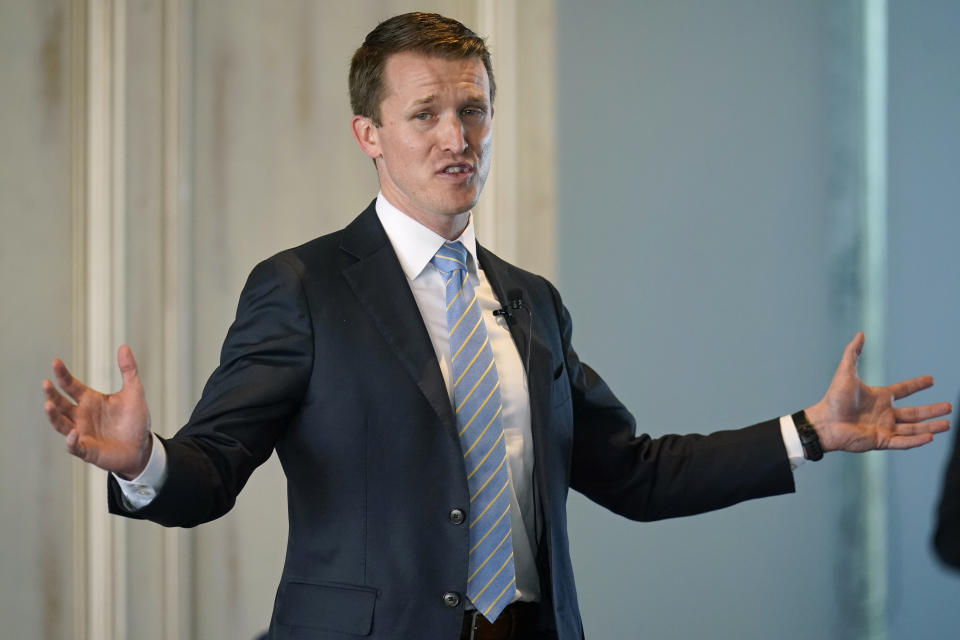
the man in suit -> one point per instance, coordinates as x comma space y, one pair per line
425, 400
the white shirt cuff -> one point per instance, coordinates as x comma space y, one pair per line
791, 441
141, 491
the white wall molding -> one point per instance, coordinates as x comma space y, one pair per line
497, 210
177, 67
517, 212
98, 136
876, 547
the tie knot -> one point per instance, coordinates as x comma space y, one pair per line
450, 257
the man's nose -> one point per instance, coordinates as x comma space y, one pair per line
452, 135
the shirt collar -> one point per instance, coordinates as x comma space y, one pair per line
415, 244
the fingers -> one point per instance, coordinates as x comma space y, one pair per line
908, 442
58, 399
925, 412
904, 388
915, 434
128, 366
59, 410
919, 428
60, 421
70, 385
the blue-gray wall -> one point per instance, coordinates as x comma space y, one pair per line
924, 309
707, 243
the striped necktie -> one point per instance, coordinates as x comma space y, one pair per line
491, 578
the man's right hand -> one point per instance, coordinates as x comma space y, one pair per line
111, 431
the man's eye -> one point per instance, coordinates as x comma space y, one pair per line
422, 116
472, 112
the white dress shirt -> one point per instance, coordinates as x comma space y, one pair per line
415, 245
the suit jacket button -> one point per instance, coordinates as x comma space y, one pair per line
457, 516
451, 599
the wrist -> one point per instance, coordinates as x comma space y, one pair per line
818, 418
143, 458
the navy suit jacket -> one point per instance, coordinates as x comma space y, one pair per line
329, 363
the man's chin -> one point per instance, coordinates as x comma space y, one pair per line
458, 206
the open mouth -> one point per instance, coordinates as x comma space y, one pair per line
457, 169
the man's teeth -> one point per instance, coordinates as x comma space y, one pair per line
457, 169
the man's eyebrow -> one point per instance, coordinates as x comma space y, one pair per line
425, 100
476, 98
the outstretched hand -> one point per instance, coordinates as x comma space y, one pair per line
853, 416
111, 431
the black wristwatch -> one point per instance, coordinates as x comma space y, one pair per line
808, 436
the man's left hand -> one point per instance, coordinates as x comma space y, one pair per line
853, 416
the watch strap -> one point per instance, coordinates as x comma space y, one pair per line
808, 436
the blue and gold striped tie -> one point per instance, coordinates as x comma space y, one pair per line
491, 578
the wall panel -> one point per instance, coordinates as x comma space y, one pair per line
698, 240
36, 317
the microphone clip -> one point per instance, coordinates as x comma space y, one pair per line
514, 303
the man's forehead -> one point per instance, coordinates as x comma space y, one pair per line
408, 71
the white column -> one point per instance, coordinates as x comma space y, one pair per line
874, 304
177, 333
101, 258
516, 214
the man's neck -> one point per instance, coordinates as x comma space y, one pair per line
449, 226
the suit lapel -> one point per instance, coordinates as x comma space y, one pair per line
379, 283
533, 353
537, 361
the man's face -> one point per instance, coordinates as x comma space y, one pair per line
432, 148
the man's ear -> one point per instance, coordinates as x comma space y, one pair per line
367, 136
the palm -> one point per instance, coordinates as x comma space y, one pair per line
856, 417
864, 415
110, 431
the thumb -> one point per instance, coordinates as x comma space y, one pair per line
128, 366
851, 354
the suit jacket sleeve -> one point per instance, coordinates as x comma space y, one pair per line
946, 540
265, 366
645, 478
